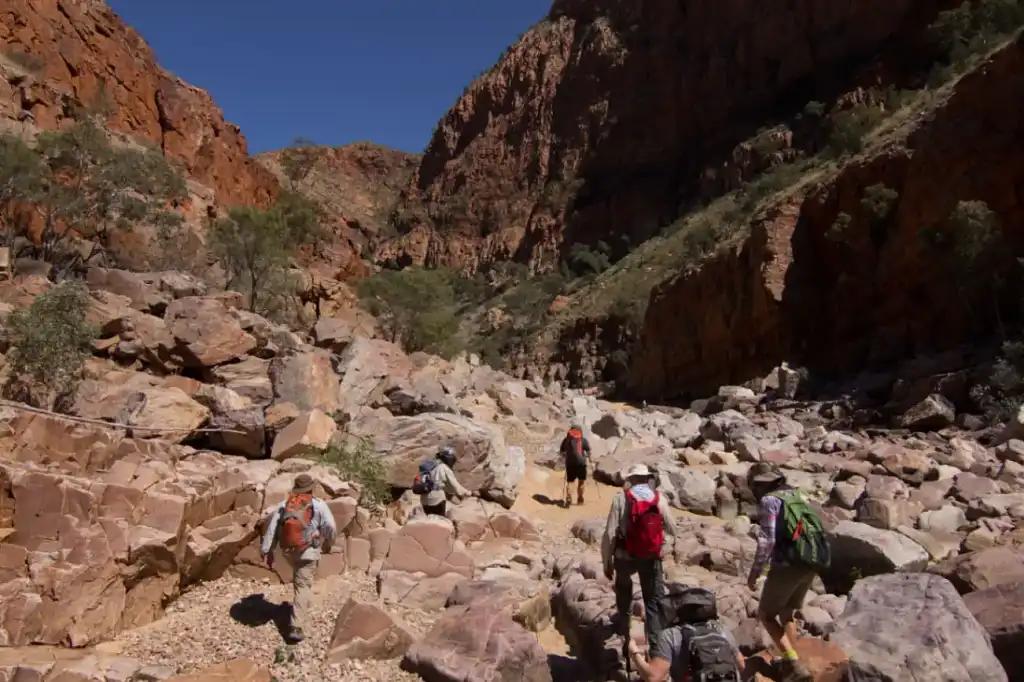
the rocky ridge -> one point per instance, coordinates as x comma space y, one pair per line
139, 547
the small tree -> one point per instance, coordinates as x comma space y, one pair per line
93, 188
297, 161
416, 307
51, 341
21, 175
356, 462
254, 246
878, 202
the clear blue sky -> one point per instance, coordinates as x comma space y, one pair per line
335, 71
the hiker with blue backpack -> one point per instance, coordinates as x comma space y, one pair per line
633, 541
694, 646
435, 481
793, 539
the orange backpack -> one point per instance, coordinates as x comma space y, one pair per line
295, 522
575, 455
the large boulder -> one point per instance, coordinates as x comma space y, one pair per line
206, 332
1000, 610
913, 626
364, 631
860, 550
480, 643
484, 461
306, 379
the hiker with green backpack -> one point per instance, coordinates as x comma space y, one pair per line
793, 539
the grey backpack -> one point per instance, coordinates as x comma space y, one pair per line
712, 657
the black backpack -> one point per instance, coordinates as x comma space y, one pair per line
688, 605
712, 657
425, 482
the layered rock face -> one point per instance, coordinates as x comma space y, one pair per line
595, 125
62, 52
793, 292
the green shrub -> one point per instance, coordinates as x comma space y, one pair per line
850, 128
878, 201
51, 341
838, 229
356, 462
974, 27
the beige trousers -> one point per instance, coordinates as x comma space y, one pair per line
303, 584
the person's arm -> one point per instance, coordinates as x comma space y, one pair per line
611, 532
655, 670
270, 534
768, 514
741, 661
451, 484
327, 527
667, 521
586, 447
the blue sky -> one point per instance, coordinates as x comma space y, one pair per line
335, 71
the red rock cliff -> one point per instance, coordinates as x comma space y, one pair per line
878, 295
611, 109
82, 45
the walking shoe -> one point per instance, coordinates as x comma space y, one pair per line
579, 499
568, 501
295, 636
793, 671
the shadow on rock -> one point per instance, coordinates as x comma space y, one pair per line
566, 669
544, 499
254, 611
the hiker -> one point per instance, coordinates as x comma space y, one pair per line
693, 645
793, 539
576, 451
634, 537
436, 481
303, 527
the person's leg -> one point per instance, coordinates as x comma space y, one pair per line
582, 478
436, 509
624, 592
571, 476
778, 592
303, 585
652, 586
803, 579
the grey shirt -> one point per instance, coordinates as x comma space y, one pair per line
447, 485
323, 525
674, 647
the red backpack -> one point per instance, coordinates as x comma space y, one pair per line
645, 534
296, 521
575, 454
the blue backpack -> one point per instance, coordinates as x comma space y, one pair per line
425, 481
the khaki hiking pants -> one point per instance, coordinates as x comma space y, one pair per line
303, 584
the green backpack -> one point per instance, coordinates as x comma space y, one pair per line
805, 541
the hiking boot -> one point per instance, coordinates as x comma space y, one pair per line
295, 636
568, 501
579, 499
793, 671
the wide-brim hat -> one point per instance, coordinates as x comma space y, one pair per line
638, 471
303, 484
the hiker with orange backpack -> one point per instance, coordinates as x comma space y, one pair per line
634, 538
793, 540
576, 451
302, 527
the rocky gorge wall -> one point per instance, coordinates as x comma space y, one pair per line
595, 125
71, 50
792, 292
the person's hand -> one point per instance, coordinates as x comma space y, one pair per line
269, 559
752, 583
632, 647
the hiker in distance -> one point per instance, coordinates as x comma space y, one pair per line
302, 527
793, 539
576, 452
634, 537
436, 481
693, 646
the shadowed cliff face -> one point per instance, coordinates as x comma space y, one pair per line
595, 125
77, 48
874, 295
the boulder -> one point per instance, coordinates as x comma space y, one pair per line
366, 631
1000, 610
527, 601
206, 332
337, 333
306, 379
311, 432
428, 546
931, 414
238, 670
860, 550
480, 643
913, 626
134, 398
417, 589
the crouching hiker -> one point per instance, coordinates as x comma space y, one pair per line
693, 646
303, 527
634, 537
436, 481
793, 539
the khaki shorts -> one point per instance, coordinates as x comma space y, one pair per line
784, 590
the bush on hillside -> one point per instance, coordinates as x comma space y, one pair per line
878, 201
850, 128
1001, 395
51, 341
357, 463
974, 27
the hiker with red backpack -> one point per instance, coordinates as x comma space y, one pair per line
793, 539
634, 537
303, 528
435, 481
576, 451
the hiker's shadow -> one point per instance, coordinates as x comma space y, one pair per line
544, 499
255, 611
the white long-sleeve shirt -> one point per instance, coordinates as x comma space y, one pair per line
323, 522
447, 485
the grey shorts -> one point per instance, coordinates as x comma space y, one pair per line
784, 590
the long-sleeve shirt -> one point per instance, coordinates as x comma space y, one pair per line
618, 522
769, 513
323, 522
447, 485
